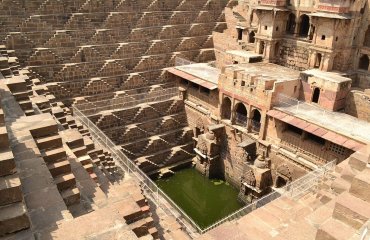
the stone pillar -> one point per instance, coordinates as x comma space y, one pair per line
262, 132
249, 118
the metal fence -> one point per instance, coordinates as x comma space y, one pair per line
164, 202
127, 101
241, 119
159, 198
335, 121
292, 190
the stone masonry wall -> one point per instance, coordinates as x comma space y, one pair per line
293, 54
358, 104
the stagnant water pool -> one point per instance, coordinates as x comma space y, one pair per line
204, 200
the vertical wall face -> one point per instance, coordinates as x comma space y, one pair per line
123, 44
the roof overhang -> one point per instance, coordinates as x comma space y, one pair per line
316, 130
191, 78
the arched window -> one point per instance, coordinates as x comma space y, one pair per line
290, 26
226, 108
251, 37
241, 114
304, 25
316, 95
318, 60
364, 62
367, 38
256, 120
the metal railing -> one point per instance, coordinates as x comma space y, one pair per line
127, 101
164, 202
292, 190
241, 120
159, 198
335, 121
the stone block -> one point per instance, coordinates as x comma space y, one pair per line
54, 155
334, 230
65, 181
360, 186
7, 164
351, 210
41, 125
10, 189
13, 218
4, 140
59, 168
84, 160
358, 161
80, 151
49, 142
71, 196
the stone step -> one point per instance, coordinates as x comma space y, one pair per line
154, 232
54, 155
334, 230
139, 228
96, 151
94, 177
59, 168
29, 112
49, 142
13, 218
65, 181
351, 210
89, 143
360, 185
10, 190
22, 95
7, 164
4, 140
25, 104
140, 199
340, 185
80, 151
89, 168
71, 196
84, 160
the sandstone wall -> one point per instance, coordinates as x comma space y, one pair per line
293, 54
358, 105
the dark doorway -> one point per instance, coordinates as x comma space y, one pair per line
316, 95
290, 26
318, 60
251, 37
276, 49
367, 38
364, 62
241, 114
262, 48
256, 121
226, 109
280, 182
304, 26
240, 33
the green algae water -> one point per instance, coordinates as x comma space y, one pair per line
204, 200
